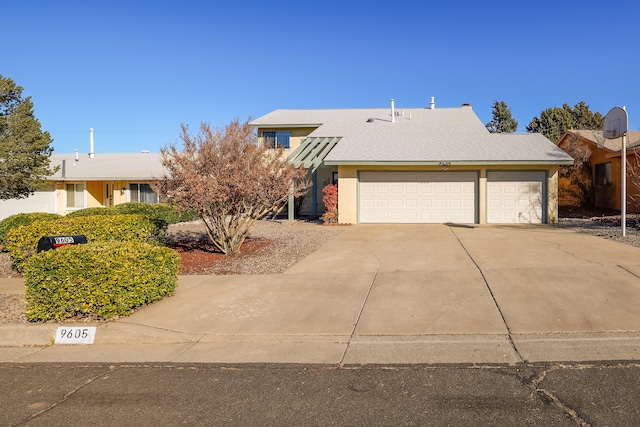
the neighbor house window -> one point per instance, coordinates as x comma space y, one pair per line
603, 174
275, 139
142, 193
75, 196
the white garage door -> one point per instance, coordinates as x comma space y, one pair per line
417, 197
41, 201
515, 197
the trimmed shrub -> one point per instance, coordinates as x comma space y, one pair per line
98, 280
158, 212
22, 242
90, 212
172, 215
14, 221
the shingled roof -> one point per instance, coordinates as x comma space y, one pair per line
633, 139
416, 136
121, 166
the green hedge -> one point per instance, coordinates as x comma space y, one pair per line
14, 221
98, 280
161, 213
22, 242
90, 212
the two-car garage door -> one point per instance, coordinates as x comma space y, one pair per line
43, 200
418, 197
441, 197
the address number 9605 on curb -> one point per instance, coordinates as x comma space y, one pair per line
75, 335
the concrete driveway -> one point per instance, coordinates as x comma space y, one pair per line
400, 294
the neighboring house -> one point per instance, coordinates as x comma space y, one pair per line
419, 165
99, 181
604, 177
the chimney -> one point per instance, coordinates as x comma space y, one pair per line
432, 104
393, 111
92, 154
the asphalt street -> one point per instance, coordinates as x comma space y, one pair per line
280, 395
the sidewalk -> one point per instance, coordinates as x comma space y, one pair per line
385, 295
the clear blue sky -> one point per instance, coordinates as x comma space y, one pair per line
136, 70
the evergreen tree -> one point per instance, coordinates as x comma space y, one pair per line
502, 121
24, 149
554, 122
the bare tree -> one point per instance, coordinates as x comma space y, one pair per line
228, 180
579, 174
633, 181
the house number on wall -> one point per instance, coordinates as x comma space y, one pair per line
75, 335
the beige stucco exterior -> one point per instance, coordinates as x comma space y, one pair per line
348, 187
95, 194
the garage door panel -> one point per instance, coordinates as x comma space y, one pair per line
41, 201
515, 197
421, 197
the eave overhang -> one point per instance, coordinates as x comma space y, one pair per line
450, 163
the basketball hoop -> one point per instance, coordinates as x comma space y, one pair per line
615, 125
600, 139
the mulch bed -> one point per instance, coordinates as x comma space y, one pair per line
202, 257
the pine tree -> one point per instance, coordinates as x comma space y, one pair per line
502, 121
554, 122
24, 149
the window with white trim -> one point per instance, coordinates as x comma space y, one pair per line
75, 195
140, 192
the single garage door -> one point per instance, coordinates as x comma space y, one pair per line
41, 201
516, 197
417, 197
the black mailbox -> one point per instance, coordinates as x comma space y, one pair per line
51, 242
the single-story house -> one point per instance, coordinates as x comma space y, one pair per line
97, 180
419, 165
604, 176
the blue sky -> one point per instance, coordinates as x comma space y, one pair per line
135, 70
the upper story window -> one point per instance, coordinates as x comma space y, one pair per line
277, 138
142, 193
75, 195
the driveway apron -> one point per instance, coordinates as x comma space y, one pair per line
564, 295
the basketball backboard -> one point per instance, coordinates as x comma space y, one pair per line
615, 123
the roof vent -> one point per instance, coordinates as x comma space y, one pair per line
370, 120
466, 105
145, 151
432, 104
393, 111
